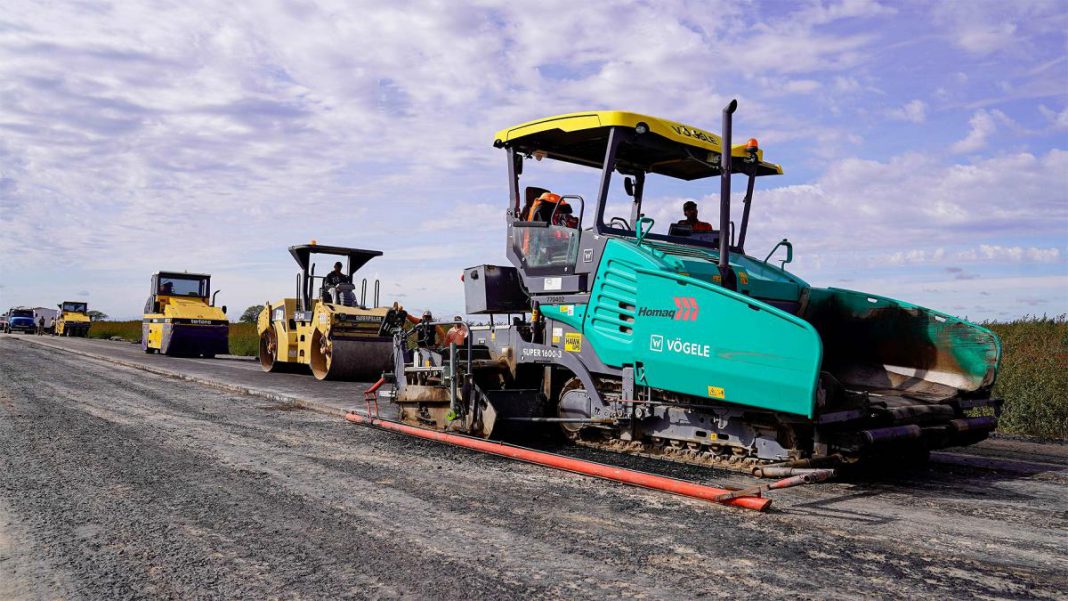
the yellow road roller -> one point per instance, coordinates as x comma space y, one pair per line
324, 326
73, 319
181, 317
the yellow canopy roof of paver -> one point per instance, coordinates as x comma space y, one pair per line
582, 138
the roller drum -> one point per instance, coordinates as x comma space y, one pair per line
353, 360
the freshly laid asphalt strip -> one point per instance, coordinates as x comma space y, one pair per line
119, 483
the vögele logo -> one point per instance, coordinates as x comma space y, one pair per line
656, 343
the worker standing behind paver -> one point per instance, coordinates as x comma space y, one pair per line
457, 334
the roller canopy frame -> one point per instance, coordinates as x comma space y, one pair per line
660, 146
358, 257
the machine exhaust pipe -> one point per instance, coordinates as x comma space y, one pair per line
970, 430
893, 434
973, 424
725, 194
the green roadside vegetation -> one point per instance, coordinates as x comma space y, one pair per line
243, 339
1033, 379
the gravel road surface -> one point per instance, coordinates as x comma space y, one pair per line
117, 483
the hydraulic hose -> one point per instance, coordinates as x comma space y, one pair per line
578, 466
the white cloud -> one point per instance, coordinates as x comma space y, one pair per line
209, 137
802, 86
997, 252
912, 210
846, 84
915, 256
820, 13
982, 125
914, 111
987, 27
979, 26
1059, 120
985, 38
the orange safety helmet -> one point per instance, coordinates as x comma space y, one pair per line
546, 197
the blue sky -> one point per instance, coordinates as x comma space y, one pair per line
925, 143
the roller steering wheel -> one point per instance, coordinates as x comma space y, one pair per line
626, 225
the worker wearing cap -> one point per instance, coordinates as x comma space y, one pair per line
689, 208
336, 276
427, 334
457, 334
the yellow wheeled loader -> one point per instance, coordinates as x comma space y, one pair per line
181, 320
325, 327
73, 319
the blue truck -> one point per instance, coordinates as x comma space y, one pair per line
20, 319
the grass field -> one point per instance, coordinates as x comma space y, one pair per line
1034, 376
1033, 379
243, 339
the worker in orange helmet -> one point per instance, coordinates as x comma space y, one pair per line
549, 208
543, 207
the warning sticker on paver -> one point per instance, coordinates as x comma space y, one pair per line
716, 392
573, 342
